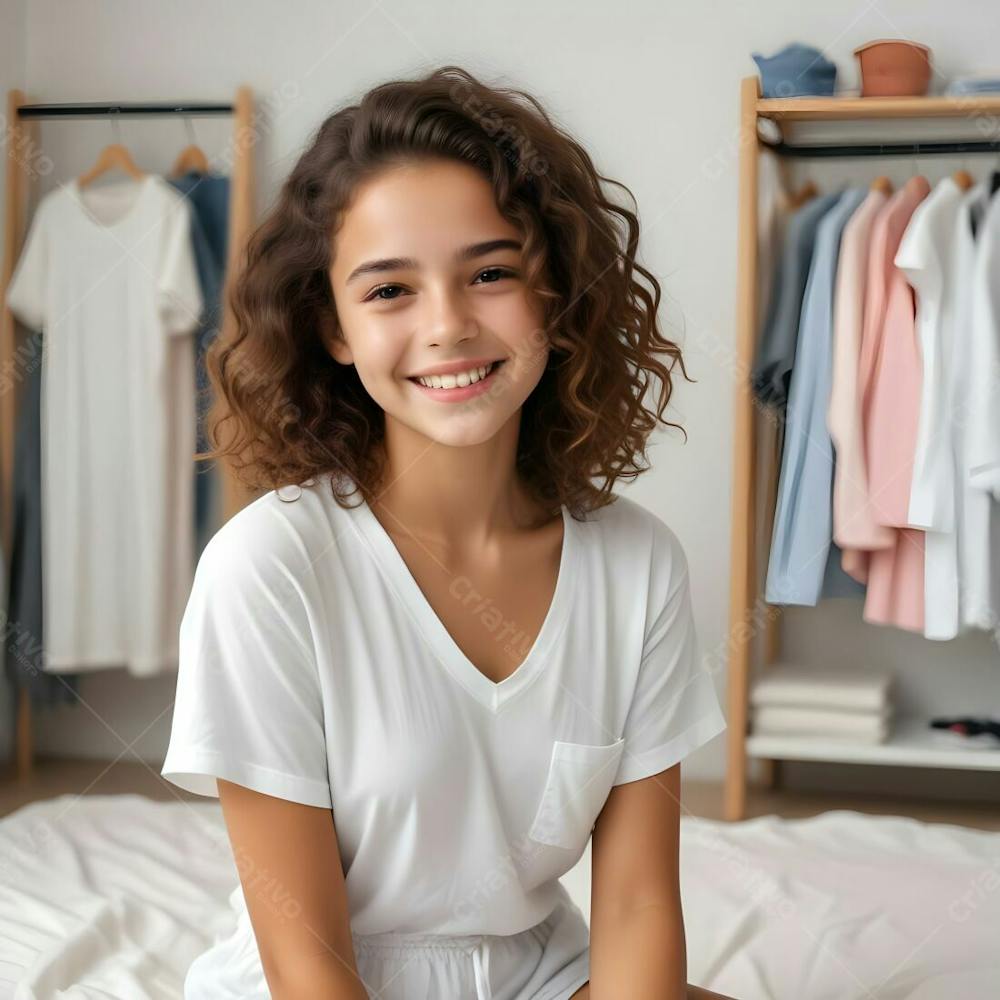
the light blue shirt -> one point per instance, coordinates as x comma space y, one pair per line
775, 354
801, 542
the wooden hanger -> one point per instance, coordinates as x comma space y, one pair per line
963, 179
115, 155
800, 197
190, 158
883, 184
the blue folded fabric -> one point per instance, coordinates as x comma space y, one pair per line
796, 71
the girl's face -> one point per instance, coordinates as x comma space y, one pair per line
426, 278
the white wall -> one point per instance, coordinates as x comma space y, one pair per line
650, 88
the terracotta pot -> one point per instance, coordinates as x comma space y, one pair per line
894, 67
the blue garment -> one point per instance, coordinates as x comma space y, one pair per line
24, 653
803, 521
796, 71
775, 356
208, 195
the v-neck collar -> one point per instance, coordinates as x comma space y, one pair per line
489, 693
88, 210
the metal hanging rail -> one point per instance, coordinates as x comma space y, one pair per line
885, 148
87, 110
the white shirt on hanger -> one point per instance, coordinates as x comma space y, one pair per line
925, 256
975, 508
984, 390
108, 275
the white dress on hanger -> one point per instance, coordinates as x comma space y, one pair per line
109, 276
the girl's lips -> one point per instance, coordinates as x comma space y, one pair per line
459, 393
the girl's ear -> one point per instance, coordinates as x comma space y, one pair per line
333, 339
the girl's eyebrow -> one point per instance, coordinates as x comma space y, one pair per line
398, 263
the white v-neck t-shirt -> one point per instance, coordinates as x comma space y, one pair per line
108, 275
312, 668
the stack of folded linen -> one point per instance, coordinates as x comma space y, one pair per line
847, 704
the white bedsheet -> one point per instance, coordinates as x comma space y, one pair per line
113, 896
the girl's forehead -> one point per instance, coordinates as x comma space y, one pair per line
414, 192
425, 214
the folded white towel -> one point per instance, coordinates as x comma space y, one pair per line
819, 721
866, 738
844, 688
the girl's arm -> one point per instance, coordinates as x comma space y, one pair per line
637, 943
293, 881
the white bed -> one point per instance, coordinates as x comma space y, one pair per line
112, 896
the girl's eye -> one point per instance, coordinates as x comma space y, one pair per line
376, 293
499, 272
495, 273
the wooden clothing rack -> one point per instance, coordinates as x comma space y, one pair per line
750, 617
22, 136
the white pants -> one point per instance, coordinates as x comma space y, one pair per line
549, 961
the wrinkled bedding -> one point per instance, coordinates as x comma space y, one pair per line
113, 896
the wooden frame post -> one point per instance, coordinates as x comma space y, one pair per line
742, 584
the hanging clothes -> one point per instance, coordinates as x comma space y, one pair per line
983, 456
774, 206
889, 384
208, 196
109, 275
926, 258
803, 522
853, 527
977, 511
24, 653
775, 357
772, 217
893, 392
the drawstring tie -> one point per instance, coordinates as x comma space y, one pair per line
481, 966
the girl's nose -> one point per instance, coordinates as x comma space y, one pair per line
448, 317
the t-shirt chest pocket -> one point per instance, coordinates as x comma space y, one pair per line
576, 787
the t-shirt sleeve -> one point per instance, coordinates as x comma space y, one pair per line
674, 707
248, 707
26, 291
178, 289
917, 254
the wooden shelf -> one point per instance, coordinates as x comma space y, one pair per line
911, 743
805, 109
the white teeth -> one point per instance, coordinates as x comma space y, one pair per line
459, 380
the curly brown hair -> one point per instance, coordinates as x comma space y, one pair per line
284, 410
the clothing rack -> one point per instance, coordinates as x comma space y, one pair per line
747, 622
22, 136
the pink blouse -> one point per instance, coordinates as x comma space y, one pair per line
889, 385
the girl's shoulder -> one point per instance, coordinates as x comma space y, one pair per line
640, 539
278, 532
628, 521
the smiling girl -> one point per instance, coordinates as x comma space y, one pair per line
439, 652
